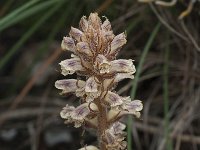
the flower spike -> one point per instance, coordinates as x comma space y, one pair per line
94, 49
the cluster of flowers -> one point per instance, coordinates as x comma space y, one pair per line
94, 49
172, 3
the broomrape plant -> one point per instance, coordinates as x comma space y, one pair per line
94, 49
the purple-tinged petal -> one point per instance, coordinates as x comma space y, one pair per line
117, 128
113, 99
70, 66
80, 112
135, 105
83, 24
91, 89
68, 44
77, 34
83, 110
108, 35
118, 42
69, 85
106, 26
91, 85
122, 66
83, 47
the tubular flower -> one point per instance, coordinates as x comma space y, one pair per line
94, 49
114, 137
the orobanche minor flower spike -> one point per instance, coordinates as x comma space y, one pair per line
94, 49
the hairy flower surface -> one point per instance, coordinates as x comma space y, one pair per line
94, 48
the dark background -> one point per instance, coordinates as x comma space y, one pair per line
168, 83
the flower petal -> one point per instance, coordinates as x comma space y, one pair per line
91, 89
80, 112
83, 24
113, 99
121, 76
117, 42
117, 128
106, 25
69, 85
68, 44
94, 20
91, 85
77, 34
115, 138
83, 47
122, 66
135, 105
102, 64
116, 114
70, 66
65, 113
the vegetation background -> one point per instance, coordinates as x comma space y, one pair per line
165, 50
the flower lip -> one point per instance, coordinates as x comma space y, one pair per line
118, 42
122, 66
83, 47
70, 66
113, 99
102, 64
106, 25
80, 112
68, 44
91, 89
69, 85
132, 106
77, 34
65, 113
117, 128
83, 24
91, 85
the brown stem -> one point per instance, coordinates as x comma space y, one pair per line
102, 124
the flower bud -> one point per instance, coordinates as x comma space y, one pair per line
118, 42
68, 44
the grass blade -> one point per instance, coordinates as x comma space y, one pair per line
27, 13
16, 12
166, 98
136, 79
24, 38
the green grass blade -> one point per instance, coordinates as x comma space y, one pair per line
27, 13
136, 79
40, 52
27, 35
16, 12
166, 98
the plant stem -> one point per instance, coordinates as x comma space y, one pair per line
102, 124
